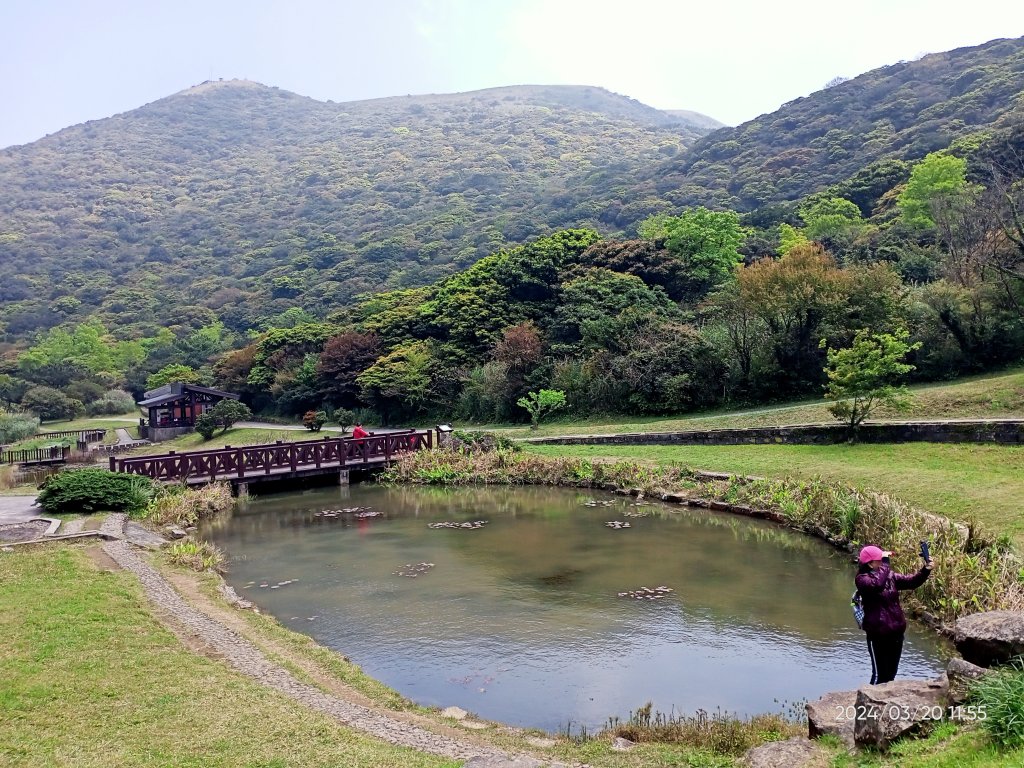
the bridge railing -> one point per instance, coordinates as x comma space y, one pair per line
245, 461
35, 455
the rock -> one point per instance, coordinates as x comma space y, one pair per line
832, 715
960, 674
797, 752
540, 742
176, 533
990, 638
455, 713
891, 710
622, 745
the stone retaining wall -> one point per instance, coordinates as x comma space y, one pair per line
1003, 431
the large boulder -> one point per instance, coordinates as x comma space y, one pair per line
833, 714
797, 752
990, 638
961, 674
886, 712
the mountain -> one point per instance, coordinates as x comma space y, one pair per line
899, 112
239, 198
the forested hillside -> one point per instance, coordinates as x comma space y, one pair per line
899, 112
261, 267
235, 198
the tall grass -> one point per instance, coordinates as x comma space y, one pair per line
717, 732
7, 477
183, 506
974, 571
16, 425
197, 555
1001, 694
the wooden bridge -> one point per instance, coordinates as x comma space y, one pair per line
57, 454
280, 460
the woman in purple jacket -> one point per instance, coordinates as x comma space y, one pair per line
884, 621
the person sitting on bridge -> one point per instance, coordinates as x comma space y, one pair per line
358, 431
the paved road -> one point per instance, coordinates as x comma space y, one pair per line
17, 509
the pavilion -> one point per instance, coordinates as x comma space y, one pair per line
173, 408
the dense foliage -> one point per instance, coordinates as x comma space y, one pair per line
91, 490
704, 307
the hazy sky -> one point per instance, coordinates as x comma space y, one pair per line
67, 61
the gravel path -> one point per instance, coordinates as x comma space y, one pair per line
246, 658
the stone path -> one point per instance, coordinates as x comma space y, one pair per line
249, 660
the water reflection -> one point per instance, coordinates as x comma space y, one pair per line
520, 620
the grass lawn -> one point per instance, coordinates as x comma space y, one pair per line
961, 481
90, 678
982, 397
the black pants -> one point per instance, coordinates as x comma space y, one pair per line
885, 652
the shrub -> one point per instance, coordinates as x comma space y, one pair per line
91, 490
206, 425
314, 420
112, 403
1001, 693
17, 425
197, 555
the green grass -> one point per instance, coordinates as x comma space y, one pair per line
946, 747
235, 437
90, 678
960, 481
1000, 396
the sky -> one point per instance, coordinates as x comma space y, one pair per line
63, 62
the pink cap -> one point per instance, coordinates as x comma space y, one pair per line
871, 553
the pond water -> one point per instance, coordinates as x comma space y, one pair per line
520, 620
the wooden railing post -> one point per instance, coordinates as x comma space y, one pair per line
293, 460
113, 464
240, 462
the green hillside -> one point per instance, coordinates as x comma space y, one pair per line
242, 199
899, 112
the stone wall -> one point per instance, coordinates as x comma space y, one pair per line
1003, 431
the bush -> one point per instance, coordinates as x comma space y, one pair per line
17, 425
91, 490
111, 403
51, 404
345, 418
1001, 693
228, 411
314, 420
206, 425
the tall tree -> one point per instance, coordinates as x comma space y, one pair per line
938, 175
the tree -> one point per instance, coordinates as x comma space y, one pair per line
708, 244
831, 218
174, 372
343, 358
789, 238
863, 375
936, 176
795, 297
229, 411
345, 418
314, 420
61, 357
50, 404
541, 404
399, 383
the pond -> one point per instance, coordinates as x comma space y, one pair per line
528, 618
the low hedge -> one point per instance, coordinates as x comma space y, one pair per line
91, 490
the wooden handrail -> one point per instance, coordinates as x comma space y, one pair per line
244, 461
